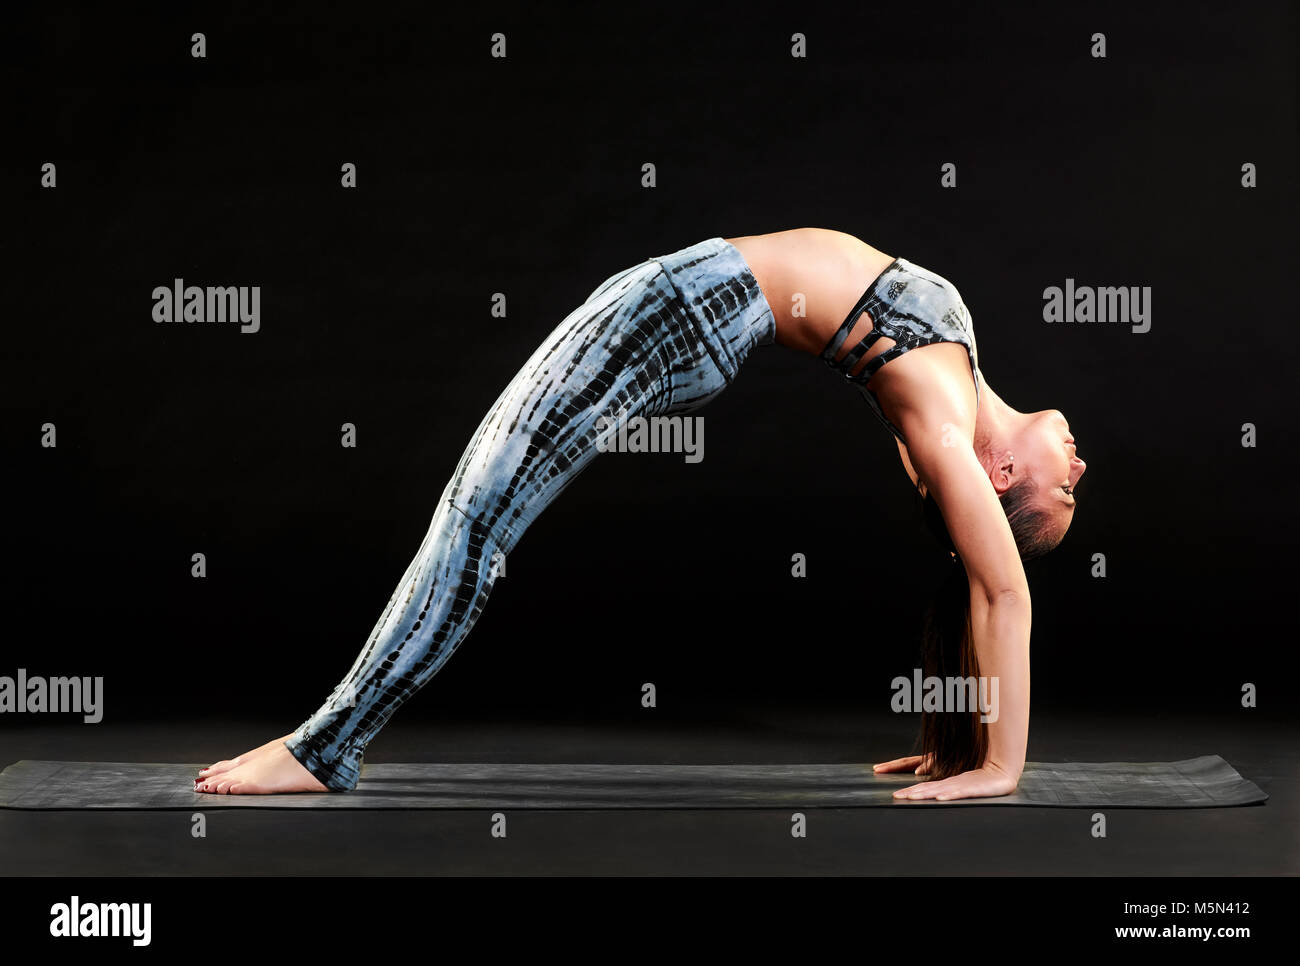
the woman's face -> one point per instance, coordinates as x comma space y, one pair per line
1046, 452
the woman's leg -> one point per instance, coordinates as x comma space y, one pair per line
633, 349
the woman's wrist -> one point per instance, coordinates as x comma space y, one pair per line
1011, 767
1007, 743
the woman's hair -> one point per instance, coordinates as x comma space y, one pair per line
958, 741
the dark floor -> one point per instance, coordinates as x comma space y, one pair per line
1259, 840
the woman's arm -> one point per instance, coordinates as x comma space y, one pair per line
907, 461
943, 459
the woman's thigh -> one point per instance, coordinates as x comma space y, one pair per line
622, 353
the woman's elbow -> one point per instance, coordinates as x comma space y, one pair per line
1012, 597
1005, 596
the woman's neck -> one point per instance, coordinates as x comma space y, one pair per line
994, 421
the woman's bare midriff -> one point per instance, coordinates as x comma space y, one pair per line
811, 278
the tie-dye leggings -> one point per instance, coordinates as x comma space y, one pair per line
662, 337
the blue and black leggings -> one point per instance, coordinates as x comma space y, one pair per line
663, 337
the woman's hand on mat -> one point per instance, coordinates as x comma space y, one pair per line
987, 782
916, 764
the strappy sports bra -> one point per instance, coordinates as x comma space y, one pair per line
912, 306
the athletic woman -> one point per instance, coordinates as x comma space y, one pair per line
665, 337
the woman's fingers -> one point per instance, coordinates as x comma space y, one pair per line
969, 784
898, 764
926, 790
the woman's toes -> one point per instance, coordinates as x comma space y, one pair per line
220, 767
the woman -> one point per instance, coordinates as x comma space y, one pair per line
665, 337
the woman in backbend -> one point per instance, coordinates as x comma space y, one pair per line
665, 337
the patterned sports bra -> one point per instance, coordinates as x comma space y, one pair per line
912, 306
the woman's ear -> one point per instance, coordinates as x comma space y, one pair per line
1003, 473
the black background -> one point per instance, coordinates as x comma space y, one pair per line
523, 176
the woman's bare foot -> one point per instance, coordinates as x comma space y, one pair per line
263, 771
226, 764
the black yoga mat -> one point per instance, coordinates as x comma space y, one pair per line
1206, 782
